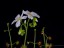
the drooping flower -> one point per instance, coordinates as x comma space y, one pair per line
18, 19
31, 14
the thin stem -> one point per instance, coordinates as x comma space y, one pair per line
14, 43
32, 42
26, 27
10, 37
34, 37
45, 35
44, 40
46, 43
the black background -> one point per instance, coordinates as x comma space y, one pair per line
51, 13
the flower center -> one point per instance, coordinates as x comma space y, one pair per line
18, 19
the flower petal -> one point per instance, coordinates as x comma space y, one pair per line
22, 13
25, 12
17, 23
13, 22
18, 16
35, 14
30, 17
24, 17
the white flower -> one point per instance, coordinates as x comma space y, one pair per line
31, 14
18, 19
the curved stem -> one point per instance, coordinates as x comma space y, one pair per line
26, 28
34, 37
10, 37
14, 43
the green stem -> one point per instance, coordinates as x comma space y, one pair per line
32, 42
45, 35
14, 43
46, 44
10, 37
44, 40
34, 37
26, 27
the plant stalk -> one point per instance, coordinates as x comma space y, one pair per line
10, 37
26, 28
34, 37
44, 40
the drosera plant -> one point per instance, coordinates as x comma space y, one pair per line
23, 22
45, 39
9, 33
31, 16
8, 30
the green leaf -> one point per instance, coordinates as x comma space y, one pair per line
21, 32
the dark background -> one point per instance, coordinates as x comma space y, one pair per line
51, 13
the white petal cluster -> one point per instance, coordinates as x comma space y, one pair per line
31, 14
28, 14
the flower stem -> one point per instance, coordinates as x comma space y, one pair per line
32, 42
46, 44
26, 28
44, 40
10, 37
34, 37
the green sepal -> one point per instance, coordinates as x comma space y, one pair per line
34, 24
21, 32
34, 19
30, 24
